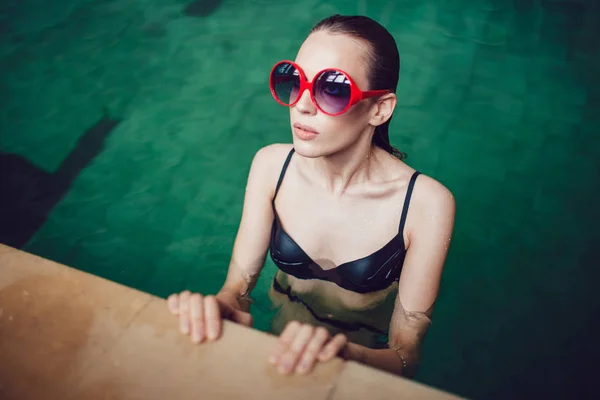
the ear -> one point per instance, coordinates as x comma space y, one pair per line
382, 109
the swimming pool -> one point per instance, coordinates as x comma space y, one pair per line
497, 99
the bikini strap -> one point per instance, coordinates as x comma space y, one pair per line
285, 165
411, 186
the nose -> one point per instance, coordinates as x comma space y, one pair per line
305, 104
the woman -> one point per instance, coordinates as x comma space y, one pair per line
360, 238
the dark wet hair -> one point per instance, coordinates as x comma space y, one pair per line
384, 61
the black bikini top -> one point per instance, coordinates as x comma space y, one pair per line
368, 274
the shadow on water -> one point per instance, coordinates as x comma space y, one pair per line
28, 193
201, 8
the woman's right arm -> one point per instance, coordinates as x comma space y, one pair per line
200, 315
252, 239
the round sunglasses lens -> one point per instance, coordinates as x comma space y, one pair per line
332, 91
285, 81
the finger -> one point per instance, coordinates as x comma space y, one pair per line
294, 352
285, 340
228, 312
333, 347
212, 317
184, 312
197, 317
173, 304
242, 318
312, 350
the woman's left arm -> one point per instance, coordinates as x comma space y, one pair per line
431, 226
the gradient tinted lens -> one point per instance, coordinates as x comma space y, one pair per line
332, 91
285, 80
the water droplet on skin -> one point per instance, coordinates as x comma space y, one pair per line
447, 244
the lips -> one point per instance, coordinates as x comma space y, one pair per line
305, 128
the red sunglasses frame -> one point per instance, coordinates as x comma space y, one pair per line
356, 94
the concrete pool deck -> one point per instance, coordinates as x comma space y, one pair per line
66, 334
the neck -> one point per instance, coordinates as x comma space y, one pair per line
351, 166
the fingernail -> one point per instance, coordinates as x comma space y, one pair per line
284, 368
302, 368
211, 334
199, 335
273, 359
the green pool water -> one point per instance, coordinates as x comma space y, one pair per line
499, 100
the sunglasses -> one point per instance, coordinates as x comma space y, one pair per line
332, 90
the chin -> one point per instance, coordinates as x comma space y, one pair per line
308, 149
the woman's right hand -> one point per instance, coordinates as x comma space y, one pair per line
201, 316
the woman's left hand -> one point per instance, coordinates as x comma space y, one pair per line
301, 346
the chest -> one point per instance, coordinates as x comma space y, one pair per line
334, 231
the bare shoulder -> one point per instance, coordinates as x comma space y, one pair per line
269, 159
272, 154
267, 164
432, 198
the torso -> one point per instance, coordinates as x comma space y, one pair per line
348, 252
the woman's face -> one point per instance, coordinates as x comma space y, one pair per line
323, 50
